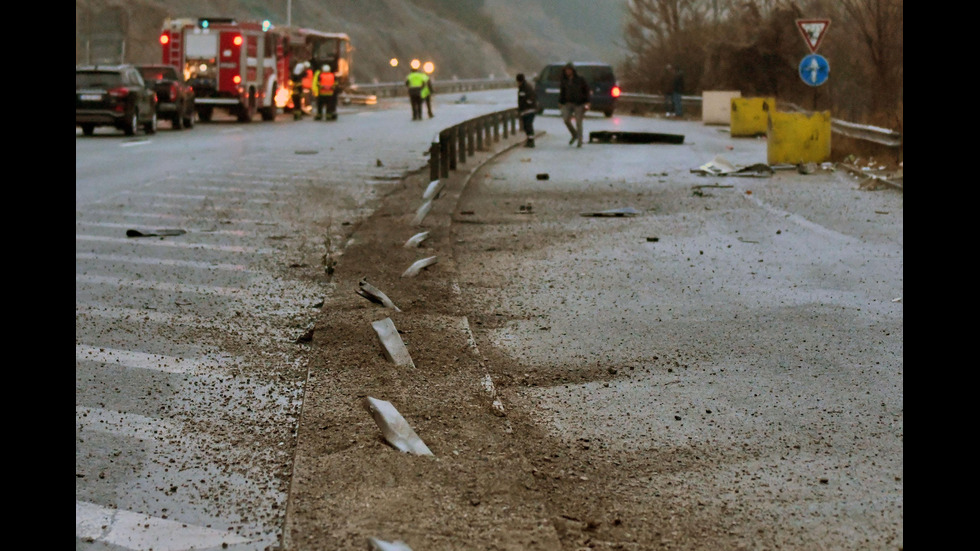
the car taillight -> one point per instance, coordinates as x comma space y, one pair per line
118, 92
616, 91
173, 92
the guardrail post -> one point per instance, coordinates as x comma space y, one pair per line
480, 128
471, 130
444, 154
496, 127
461, 142
434, 162
453, 147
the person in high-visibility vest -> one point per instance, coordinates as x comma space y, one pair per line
324, 85
300, 81
415, 83
427, 94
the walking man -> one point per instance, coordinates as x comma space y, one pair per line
527, 107
573, 101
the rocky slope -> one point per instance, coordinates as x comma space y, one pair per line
463, 40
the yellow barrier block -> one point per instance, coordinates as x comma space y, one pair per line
716, 106
795, 138
750, 116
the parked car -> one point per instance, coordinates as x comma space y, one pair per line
175, 96
114, 95
601, 79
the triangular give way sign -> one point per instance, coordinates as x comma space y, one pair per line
813, 31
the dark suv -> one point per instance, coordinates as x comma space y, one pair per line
113, 95
599, 76
175, 97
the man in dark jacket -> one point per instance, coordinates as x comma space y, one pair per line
573, 100
527, 106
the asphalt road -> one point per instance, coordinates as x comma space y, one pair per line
718, 366
754, 322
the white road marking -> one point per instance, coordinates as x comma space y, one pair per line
123, 424
159, 285
131, 530
233, 233
105, 258
142, 360
165, 216
145, 315
194, 197
150, 241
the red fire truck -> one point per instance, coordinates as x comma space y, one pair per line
244, 67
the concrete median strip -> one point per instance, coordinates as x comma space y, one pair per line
392, 343
394, 427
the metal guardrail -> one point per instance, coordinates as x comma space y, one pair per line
393, 89
368, 93
452, 145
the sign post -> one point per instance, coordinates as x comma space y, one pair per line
814, 68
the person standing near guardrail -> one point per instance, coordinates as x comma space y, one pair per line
427, 94
673, 88
527, 106
573, 101
415, 82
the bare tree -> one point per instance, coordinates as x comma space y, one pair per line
880, 27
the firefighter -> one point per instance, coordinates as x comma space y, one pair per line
307, 83
298, 79
324, 85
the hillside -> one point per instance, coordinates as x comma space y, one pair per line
463, 38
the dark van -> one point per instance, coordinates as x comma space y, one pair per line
600, 77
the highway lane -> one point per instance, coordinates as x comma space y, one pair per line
189, 374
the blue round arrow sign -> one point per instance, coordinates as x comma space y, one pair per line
814, 69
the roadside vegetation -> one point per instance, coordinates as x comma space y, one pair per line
755, 46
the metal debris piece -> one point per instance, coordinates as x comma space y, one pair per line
392, 343
307, 336
416, 239
417, 266
307, 152
719, 166
608, 136
374, 544
421, 212
375, 295
806, 168
526, 209
625, 211
496, 404
433, 189
394, 427
154, 233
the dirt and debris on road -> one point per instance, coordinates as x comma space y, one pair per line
730, 401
